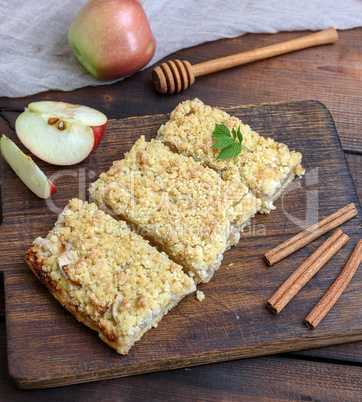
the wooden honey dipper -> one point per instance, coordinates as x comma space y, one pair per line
174, 76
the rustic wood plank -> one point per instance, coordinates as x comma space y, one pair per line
330, 74
227, 325
2, 299
258, 378
349, 352
355, 167
271, 80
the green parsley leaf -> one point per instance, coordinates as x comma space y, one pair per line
230, 143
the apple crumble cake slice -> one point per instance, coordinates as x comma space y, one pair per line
107, 276
183, 208
266, 170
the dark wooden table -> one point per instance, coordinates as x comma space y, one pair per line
331, 74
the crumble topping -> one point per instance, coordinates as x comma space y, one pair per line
189, 204
265, 170
200, 295
185, 208
108, 276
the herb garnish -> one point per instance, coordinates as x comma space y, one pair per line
230, 142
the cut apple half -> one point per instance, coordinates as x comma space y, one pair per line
26, 169
60, 133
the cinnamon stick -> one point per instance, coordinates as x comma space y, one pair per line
308, 235
335, 291
306, 271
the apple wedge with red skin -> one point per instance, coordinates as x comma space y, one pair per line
26, 169
60, 133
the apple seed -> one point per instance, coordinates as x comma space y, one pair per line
52, 120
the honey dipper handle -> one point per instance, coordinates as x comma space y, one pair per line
325, 37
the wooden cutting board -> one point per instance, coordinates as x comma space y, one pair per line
47, 347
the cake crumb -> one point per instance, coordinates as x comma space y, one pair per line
200, 296
231, 264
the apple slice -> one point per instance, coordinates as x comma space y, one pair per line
26, 169
60, 133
